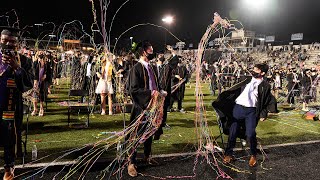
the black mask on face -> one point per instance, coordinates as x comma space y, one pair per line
150, 56
41, 56
256, 75
162, 59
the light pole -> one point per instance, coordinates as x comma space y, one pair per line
38, 28
167, 20
52, 35
131, 41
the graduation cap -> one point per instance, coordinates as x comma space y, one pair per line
10, 31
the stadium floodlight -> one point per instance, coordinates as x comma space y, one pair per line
168, 20
256, 4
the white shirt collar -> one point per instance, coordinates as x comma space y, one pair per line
256, 80
144, 63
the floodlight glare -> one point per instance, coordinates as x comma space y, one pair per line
256, 4
168, 19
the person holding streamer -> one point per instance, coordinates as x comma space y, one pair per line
142, 85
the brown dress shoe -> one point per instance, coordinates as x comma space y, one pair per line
227, 159
132, 170
8, 174
253, 161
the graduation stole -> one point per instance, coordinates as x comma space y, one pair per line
145, 77
10, 105
9, 109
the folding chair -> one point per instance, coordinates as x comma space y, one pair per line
74, 105
223, 124
220, 125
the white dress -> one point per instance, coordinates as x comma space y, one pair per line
105, 83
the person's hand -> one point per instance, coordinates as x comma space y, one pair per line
99, 75
163, 93
35, 84
44, 77
11, 61
155, 93
177, 76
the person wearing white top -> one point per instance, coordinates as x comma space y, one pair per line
242, 106
104, 87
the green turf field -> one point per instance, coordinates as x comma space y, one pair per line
52, 134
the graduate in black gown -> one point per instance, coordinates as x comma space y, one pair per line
142, 85
164, 76
15, 78
179, 74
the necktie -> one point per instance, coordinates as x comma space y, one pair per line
152, 81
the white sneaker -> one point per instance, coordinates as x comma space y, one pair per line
103, 113
110, 113
34, 112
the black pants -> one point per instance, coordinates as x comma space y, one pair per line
86, 86
173, 99
290, 99
7, 140
146, 145
248, 116
140, 132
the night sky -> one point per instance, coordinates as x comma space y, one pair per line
277, 17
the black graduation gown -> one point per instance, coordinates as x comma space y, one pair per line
183, 73
165, 83
226, 101
138, 88
291, 85
43, 88
23, 80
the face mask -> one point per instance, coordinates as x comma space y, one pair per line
256, 75
150, 56
162, 59
41, 56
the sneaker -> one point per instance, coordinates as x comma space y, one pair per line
110, 113
182, 111
132, 170
34, 112
41, 112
